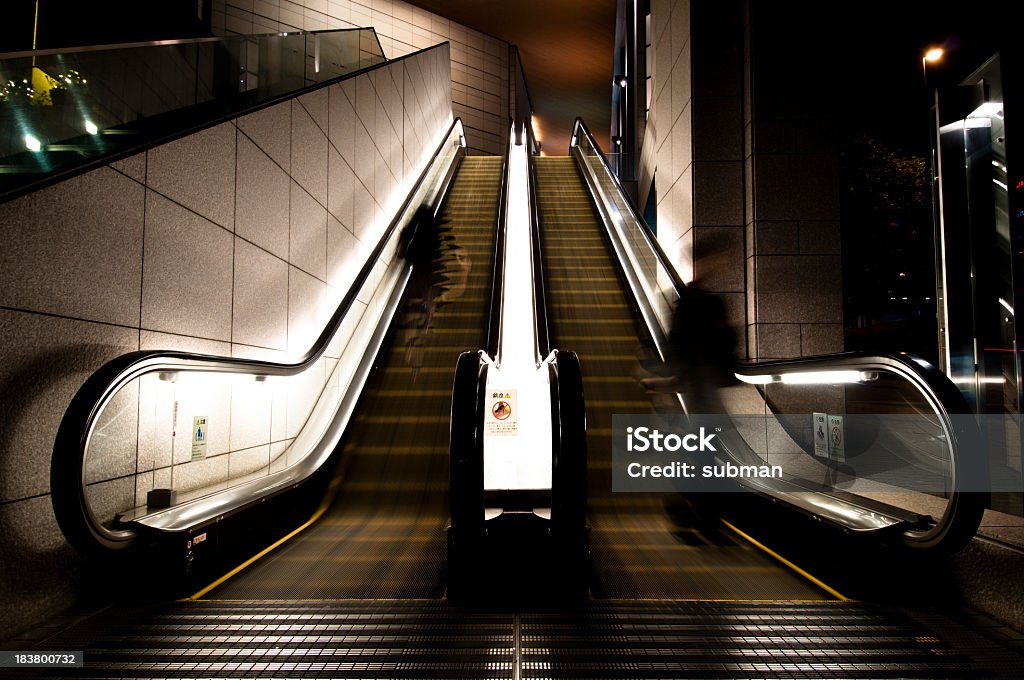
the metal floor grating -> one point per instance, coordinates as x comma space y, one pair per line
432, 639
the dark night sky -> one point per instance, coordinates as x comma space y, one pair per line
871, 48
64, 23
877, 49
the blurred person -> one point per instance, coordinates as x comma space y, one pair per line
701, 353
440, 270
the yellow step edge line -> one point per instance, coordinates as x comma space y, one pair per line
807, 575
394, 600
324, 504
683, 600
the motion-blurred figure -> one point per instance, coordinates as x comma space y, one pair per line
701, 354
440, 270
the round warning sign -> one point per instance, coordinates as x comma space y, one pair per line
502, 410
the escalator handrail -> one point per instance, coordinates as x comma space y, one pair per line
940, 390
498, 281
67, 472
963, 512
648, 233
942, 395
541, 327
935, 385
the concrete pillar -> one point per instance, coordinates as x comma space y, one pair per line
794, 266
717, 155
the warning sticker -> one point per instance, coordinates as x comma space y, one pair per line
836, 439
820, 426
199, 437
502, 417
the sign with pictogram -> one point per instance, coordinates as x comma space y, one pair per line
502, 417
819, 427
200, 434
836, 439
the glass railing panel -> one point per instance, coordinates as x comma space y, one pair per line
879, 436
658, 286
872, 432
62, 109
623, 165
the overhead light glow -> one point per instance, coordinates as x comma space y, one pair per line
32, 144
934, 54
91, 128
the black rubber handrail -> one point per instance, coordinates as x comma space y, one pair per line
67, 470
937, 382
541, 326
964, 510
925, 374
652, 240
498, 281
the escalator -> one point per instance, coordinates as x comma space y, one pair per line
382, 535
872, 445
360, 591
642, 545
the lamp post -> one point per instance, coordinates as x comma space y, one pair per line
933, 54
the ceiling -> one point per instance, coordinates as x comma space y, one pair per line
566, 47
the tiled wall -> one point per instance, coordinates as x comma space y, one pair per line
746, 182
693, 140
237, 241
479, 62
668, 142
794, 260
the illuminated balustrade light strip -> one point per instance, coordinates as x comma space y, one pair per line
810, 378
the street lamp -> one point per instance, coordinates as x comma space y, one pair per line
933, 54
